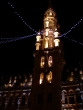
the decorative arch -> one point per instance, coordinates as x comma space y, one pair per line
64, 97
77, 89
65, 91
71, 90
71, 96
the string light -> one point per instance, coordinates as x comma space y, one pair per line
15, 39
21, 18
41, 32
19, 38
73, 40
73, 27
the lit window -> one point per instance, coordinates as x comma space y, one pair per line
25, 79
81, 72
21, 84
49, 77
37, 46
10, 81
71, 78
50, 61
82, 77
46, 42
47, 23
50, 42
56, 41
71, 73
41, 78
29, 83
38, 38
42, 62
10, 85
50, 14
6, 85
15, 81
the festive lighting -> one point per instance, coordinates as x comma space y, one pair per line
21, 18
16, 39
36, 31
73, 40
6, 40
71, 28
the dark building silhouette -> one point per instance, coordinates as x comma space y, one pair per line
48, 66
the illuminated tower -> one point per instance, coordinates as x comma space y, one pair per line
48, 66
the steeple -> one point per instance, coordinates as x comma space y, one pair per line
50, 4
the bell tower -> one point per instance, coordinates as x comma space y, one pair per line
48, 66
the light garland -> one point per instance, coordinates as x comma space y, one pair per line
73, 40
19, 38
16, 39
73, 27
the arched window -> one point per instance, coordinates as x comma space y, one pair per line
42, 63
49, 77
50, 61
71, 97
41, 78
50, 42
50, 13
78, 96
64, 97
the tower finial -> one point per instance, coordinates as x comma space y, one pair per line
50, 4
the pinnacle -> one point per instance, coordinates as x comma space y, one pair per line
50, 4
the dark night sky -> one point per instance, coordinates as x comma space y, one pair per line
17, 57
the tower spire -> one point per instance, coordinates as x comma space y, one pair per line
50, 4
